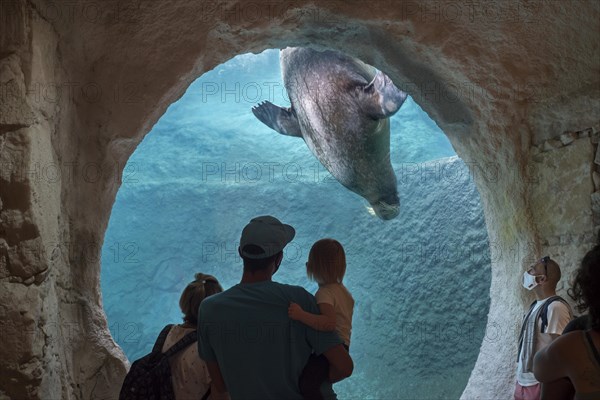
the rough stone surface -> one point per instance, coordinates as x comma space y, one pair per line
596, 202
596, 179
85, 87
567, 138
15, 111
560, 199
564, 173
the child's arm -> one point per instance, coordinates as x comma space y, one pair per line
323, 322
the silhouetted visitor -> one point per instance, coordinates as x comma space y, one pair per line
189, 373
173, 369
249, 343
576, 355
543, 323
326, 265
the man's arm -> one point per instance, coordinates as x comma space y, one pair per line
340, 363
558, 318
218, 389
324, 322
554, 336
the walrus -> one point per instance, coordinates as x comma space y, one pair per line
341, 107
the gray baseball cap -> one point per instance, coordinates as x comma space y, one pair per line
267, 233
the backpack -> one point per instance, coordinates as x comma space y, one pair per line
544, 314
149, 378
543, 317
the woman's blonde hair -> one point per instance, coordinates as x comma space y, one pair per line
193, 294
326, 262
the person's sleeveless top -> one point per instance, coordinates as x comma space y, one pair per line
595, 357
190, 375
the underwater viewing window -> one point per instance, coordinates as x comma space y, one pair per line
420, 281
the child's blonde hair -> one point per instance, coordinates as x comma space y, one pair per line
326, 262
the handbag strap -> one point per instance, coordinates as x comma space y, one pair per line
590, 344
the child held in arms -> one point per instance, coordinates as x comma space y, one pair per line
326, 265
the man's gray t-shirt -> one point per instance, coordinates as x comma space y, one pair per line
261, 352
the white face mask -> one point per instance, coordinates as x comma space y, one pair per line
529, 281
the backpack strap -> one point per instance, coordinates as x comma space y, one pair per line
182, 344
523, 327
544, 315
590, 346
160, 341
205, 397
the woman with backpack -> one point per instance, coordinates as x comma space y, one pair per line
189, 373
174, 370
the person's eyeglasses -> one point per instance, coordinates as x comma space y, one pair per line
544, 262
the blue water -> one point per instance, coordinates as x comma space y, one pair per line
420, 281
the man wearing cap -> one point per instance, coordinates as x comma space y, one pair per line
546, 319
251, 347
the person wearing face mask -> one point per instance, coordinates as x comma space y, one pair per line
544, 322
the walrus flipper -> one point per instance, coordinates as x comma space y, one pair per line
282, 120
381, 98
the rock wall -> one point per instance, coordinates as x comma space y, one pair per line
54, 334
82, 83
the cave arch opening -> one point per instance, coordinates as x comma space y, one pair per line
222, 158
